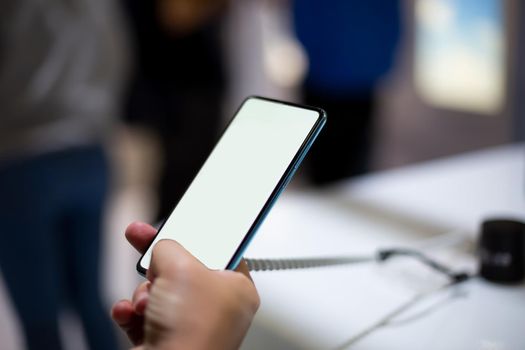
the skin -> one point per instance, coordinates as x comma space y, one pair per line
185, 305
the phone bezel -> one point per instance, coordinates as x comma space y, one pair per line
279, 188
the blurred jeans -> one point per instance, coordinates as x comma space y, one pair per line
50, 227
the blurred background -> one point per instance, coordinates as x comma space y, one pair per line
125, 99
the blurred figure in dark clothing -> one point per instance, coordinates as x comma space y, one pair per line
178, 85
350, 45
60, 75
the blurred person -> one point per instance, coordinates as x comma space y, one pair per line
350, 45
178, 85
60, 75
185, 305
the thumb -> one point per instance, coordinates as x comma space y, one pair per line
169, 258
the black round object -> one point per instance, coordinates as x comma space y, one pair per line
501, 249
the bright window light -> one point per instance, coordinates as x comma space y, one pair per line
460, 54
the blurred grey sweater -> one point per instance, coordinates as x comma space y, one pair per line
61, 73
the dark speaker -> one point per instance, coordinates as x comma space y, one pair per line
501, 249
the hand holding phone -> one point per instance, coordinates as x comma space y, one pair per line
234, 190
162, 310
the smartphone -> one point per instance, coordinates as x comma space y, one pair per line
249, 167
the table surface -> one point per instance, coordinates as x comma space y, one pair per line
323, 308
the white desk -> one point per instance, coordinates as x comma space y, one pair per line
322, 308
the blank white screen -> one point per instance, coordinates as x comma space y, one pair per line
223, 201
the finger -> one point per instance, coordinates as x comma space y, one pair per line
243, 268
169, 257
122, 313
140, 298
140, 235
131, 323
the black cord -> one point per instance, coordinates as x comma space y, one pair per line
454, 276
381, 256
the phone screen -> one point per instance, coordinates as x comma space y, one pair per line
237, 180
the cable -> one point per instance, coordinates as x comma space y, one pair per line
455, 277
303, 263
385, 320
428, 310
381, 256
